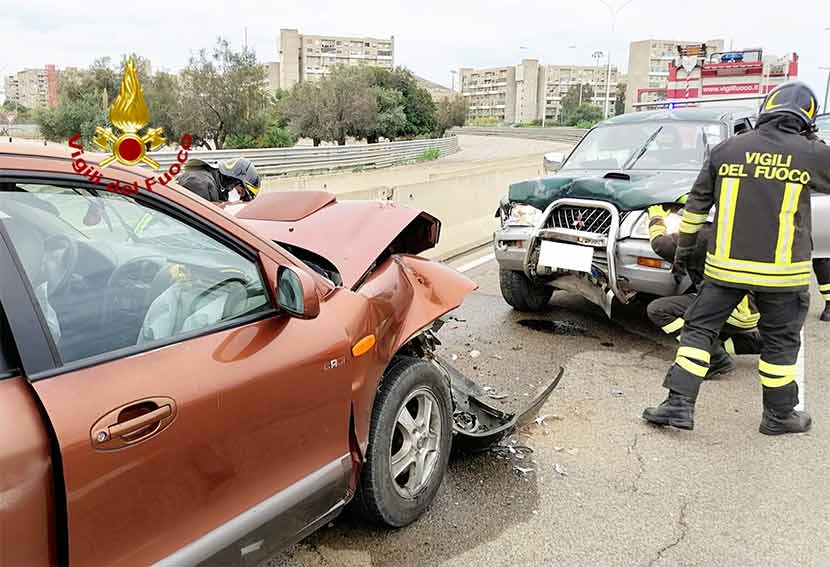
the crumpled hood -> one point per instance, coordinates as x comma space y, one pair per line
627, 190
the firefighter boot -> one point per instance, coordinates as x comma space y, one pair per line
825, 315
776, 422
677, 410
721, 363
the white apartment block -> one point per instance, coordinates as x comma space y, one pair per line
529, 91
559, 79
33, 88
309, 57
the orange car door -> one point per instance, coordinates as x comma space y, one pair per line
188, 410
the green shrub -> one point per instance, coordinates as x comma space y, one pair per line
484, 121
240, 142
429, 154
277, 137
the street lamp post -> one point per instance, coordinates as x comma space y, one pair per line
826, 89
613, 12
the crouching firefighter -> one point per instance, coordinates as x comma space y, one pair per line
227, 180
760, 182
740, 333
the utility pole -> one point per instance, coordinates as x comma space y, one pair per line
826, 89
613, 12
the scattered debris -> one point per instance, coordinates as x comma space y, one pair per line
572, 451
457, 318
475, 353
540, 419
523, 470
454, 356
516, 347
560, 470
617, 393
559, 449
567, 328
498, 357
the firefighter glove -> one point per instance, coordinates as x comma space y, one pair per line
682, 258
657, 212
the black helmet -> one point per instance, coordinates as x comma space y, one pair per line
243, 170
794, 98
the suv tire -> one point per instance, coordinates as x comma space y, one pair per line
409, 385
521, 293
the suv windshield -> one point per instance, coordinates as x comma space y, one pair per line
647, 145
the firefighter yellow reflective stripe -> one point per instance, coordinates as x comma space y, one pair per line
764, 268
786, 224
777, 382
776, 375
692, 352
656, 230
729, 346
675, 325
690, 366
728, 276
776, 369
824, 288
692, 222
742, 316
726, 216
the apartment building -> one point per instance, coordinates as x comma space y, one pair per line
309, 57
33, 88
436, 91
508, 94
529, 91
648, 67
559, 79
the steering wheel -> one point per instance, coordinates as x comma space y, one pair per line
232, 298
126, 299
60, 256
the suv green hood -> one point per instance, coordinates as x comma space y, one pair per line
627, 190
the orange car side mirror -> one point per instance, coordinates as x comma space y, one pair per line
297, 293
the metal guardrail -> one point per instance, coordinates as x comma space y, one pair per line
307, 159
571, 135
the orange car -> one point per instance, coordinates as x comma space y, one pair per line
181, 383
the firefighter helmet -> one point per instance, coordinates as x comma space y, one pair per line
243, 170
794, 98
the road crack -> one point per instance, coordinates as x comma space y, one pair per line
683, 526
641, 464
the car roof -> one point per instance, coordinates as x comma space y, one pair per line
708, 114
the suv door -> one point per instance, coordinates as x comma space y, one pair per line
180, 397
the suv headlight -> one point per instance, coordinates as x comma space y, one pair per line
523, 215
640, 229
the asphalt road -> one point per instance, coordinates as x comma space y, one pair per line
601, 487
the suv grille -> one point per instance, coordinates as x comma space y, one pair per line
583, 219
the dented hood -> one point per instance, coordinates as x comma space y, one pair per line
350, 234
628, 190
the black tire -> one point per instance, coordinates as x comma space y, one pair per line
521, 293
378, 499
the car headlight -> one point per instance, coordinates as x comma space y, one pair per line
524, 215
640, 229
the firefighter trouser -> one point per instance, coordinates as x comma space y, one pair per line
782, 316
821, 266
668, 313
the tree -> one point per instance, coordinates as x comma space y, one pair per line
303, 108
349, 105
619, 100
221, 93
452, 111
419, 107
391, 116
585, 116
71, 117
22, 114
576, 95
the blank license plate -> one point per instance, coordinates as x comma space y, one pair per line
566, 256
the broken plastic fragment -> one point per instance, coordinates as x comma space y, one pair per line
560, 470
540, 419
475, 353
617, 393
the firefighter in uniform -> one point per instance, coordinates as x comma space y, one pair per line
740, 333
760, 182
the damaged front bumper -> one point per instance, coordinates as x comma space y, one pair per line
476, 423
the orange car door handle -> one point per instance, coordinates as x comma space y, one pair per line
140, 422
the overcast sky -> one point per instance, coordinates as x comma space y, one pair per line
432, 37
